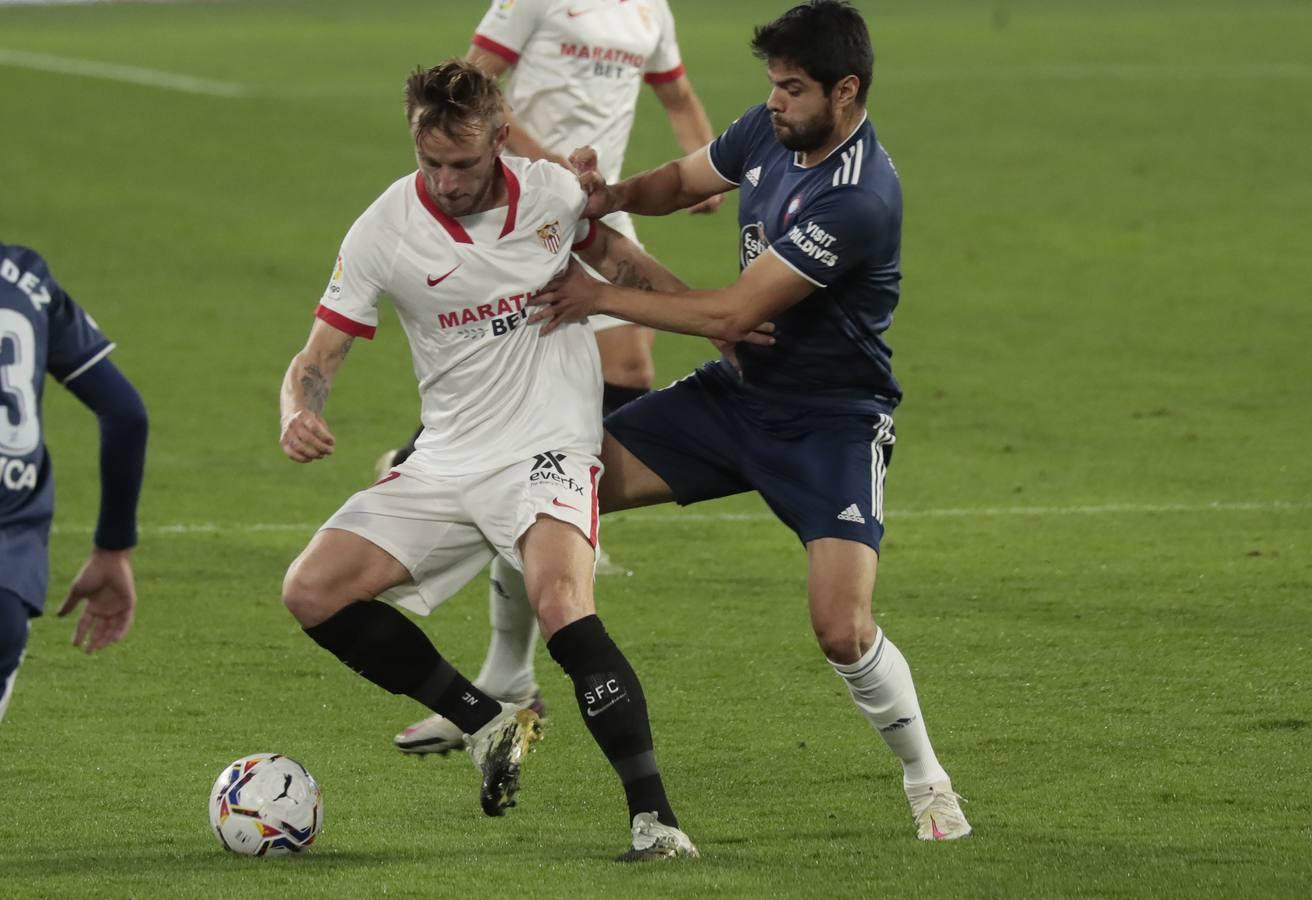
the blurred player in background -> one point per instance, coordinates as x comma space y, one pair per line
806, 422
43, 331
576, 69
507, 462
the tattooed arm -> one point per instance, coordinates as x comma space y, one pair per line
623, 263
305, 387
643, 291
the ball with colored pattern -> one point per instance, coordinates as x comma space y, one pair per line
266, 804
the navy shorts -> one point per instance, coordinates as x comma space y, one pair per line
25, 562
821, 471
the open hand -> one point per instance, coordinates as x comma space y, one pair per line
571, 296
105, 583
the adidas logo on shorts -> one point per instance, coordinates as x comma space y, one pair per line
852, 514
754, 176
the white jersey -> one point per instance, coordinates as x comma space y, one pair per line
493, 389
578, 66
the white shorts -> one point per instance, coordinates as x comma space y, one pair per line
445, 529
622, 223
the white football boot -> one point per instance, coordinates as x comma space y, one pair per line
937, 810
652, 840
437, 734
498, 750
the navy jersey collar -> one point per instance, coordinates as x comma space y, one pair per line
865, 117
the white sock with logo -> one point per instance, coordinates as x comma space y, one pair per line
881, 686
507, 671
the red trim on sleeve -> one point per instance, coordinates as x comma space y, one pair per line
453, 228
492, 46
586, 242
341, 323
664, 77
512, 190
592, 473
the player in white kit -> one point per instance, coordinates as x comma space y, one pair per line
575, 70
507, 464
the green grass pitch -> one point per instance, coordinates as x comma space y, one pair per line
1100, 510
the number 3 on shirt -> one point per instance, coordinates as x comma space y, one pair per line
20, 428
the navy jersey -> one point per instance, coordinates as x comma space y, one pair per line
838, 224
41, 331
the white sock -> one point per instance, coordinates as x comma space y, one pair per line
507, 671
881, 686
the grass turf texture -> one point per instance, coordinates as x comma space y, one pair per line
1102, 333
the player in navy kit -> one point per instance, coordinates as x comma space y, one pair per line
43, 331
806, 422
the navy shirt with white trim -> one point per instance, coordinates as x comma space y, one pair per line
42, 330
838, 224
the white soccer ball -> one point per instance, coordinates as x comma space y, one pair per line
266, 804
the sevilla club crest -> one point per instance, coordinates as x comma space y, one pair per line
549, 235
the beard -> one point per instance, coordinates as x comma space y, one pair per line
808, 135
462, 204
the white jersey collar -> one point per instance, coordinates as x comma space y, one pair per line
452, 225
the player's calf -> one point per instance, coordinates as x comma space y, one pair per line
13, 638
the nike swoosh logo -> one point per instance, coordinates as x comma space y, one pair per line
575, 13
434, 282
938, 835
555, 502
596, 712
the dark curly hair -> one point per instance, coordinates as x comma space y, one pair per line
826, 39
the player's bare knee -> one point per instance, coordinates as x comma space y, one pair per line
562, 599
307, 595
840, 641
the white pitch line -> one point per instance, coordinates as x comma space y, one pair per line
662, 518
156, 78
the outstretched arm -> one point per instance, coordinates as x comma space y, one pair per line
679, 184
105, 581
622, 262
692, 128
740, 312
305, 387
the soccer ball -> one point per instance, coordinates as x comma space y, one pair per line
266, 804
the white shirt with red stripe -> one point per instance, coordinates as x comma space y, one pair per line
494, 390
578, 67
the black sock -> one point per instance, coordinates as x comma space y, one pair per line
615, 711
404, 453
380, 643
613, 397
